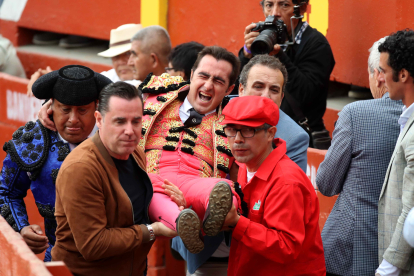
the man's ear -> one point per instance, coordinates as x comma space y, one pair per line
155, 60
241, 90
404, 75
230, 89
191, 76
272, 133
376, 78
99, 119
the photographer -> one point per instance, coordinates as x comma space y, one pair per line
309, 62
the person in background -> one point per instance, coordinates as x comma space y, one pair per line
9, 61
309, 62
396, 199
354, 167
182, 59
150, 49
278, 233
119, 52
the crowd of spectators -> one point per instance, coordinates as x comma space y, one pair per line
213, 155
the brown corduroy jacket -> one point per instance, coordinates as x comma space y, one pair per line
95, 232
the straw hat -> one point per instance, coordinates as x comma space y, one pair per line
120, 41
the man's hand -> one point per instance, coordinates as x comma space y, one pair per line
43, 116
162, 230
175, 194
231, 219
36, 75
276, 50
249, 37
34, 238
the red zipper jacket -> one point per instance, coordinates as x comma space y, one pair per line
280, 235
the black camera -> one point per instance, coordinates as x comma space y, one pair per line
272, 31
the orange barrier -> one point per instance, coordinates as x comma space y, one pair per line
315, 158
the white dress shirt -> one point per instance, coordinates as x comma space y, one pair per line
185, 110
112, 75
405, 115
73, 146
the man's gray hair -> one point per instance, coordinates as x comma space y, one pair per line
154, 39
374, 56
265, 60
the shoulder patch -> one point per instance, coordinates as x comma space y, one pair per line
29, 147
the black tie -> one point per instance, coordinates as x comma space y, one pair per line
194, 119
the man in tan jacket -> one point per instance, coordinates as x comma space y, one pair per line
103, 193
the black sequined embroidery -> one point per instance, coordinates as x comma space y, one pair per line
221, 133
46, 211
172, 138
63, 151
5, 146
225, 150
8, 174
54, 175
17, 134
170, 148
223, 168
30, 146
28, 137
25, 153
39, 148
29, 126
189, 142
187, 150
34, 156
161, 99
36, 130
149, 112
8, 216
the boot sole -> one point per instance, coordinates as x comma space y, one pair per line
220, 202
188, 228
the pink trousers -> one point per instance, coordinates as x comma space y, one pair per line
183, 171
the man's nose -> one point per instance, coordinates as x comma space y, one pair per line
129, 129
276, 11
73, 117
208, 84
266, 94
130, 62
238, 138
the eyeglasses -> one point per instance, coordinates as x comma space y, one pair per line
246, 132
168, 69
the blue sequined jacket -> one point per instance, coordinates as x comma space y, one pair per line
34, 157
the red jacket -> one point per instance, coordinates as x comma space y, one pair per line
281, 235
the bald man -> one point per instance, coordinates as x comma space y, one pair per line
150, 49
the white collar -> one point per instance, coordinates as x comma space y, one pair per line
72, 146
187, 106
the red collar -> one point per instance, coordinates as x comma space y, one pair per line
268, 165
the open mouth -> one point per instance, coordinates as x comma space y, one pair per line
204, 97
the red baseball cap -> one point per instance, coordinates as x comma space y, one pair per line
252, 111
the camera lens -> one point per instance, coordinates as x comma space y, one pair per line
263, 44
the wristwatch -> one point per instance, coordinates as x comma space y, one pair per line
151, 231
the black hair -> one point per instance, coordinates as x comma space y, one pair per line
264, 60
118, 89
184, 56
220, 53
400, 47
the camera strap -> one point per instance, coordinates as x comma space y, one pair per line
300, 117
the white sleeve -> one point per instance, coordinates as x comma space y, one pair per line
387, 269
408, 231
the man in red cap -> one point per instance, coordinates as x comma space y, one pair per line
278, 233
